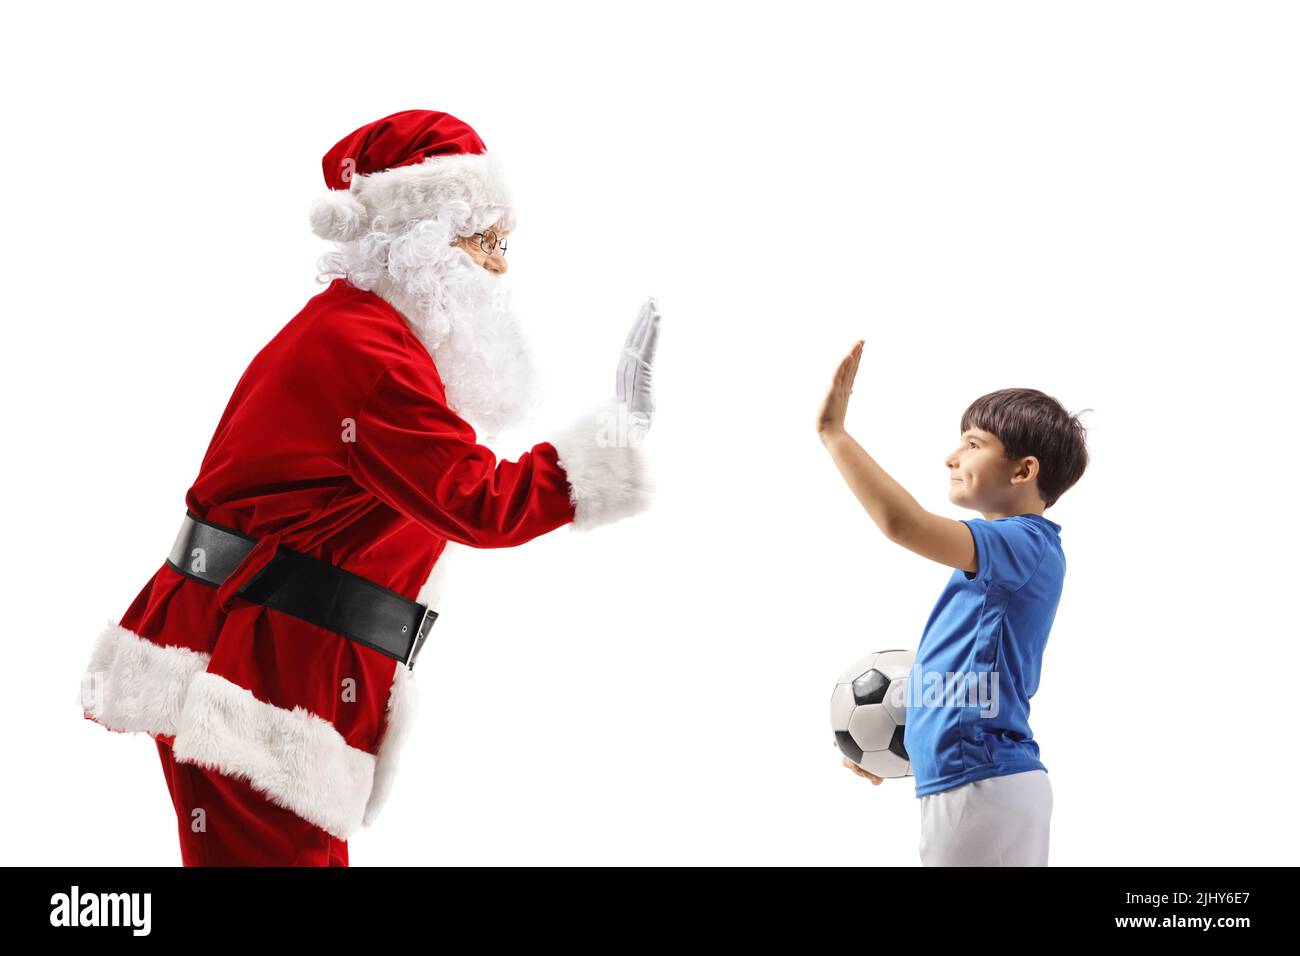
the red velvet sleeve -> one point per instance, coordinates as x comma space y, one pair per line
412, 451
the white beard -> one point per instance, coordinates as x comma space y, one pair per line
461, 312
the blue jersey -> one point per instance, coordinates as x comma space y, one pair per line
980, 656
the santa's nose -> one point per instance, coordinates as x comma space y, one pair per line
495, 264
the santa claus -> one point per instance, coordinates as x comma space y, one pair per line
271, 655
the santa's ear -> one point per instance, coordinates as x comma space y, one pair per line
339, 216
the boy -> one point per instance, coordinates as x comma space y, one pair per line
985, 797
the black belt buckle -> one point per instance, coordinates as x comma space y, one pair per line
308, 588
422, 632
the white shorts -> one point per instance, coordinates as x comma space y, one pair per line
997, 821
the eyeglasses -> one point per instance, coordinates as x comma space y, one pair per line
489, 242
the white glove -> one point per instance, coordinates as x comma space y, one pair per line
633, 384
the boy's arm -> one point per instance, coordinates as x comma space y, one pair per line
893, 510
897, 513
886, 500
938, 538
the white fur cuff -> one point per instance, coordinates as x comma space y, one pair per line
608, 470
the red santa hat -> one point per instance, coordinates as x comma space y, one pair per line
406, 166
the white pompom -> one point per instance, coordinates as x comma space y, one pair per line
338, 216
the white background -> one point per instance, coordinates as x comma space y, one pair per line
1098, 200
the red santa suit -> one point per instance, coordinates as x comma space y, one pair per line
338, 442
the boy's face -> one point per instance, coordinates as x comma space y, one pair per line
980, 478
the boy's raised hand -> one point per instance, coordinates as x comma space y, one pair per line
858, 770
831, 416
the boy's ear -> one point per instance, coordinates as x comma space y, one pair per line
1030, 466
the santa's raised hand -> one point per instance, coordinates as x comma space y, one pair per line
634, 379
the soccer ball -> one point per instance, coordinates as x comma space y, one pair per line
869, 712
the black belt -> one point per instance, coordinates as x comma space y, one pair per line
308, 588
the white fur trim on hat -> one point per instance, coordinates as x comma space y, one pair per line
607, 469
338, 216
411, 192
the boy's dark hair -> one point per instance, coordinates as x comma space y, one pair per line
1029, 422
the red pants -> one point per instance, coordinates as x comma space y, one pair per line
239, 826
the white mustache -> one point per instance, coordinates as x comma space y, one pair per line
461, 312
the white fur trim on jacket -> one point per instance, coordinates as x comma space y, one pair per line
607, 469
403, 705
298, 759
411, 192
137, 686
435, 585
404, 696
293, 756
